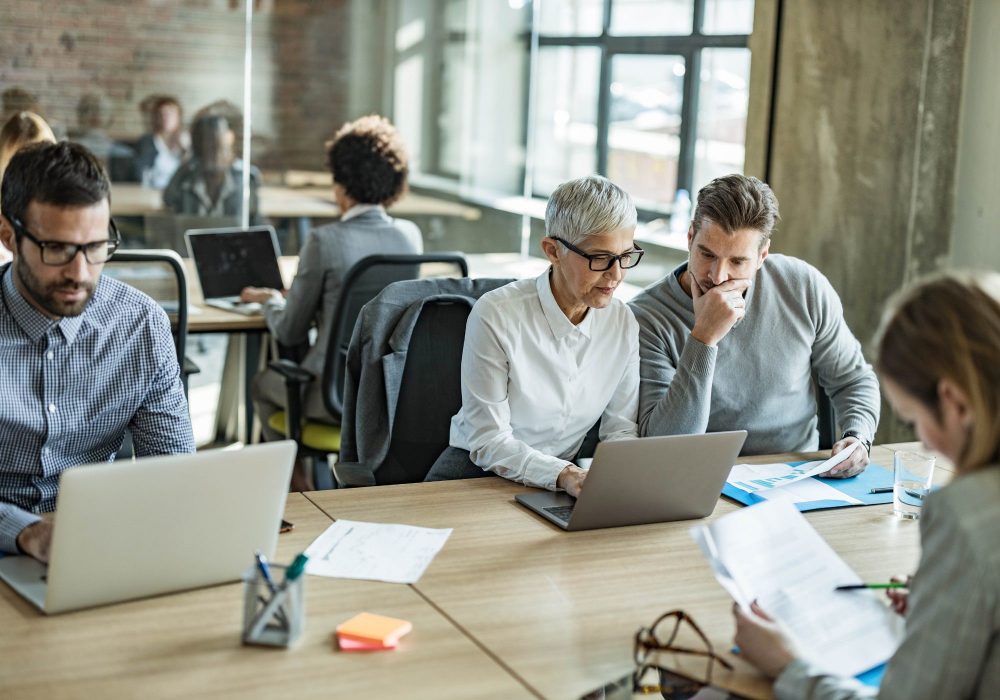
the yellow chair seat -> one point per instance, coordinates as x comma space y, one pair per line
316, 436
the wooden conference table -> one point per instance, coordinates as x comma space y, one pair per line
511, 607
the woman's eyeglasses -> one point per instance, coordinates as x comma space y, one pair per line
662, 636
599, 262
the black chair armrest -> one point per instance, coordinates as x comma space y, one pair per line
352, 474
295, 379
292, 372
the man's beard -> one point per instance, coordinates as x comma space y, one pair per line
45, 296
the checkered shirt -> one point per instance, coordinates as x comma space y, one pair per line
70, 388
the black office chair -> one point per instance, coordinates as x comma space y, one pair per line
363, 282
160, 274
429, 395
826, 421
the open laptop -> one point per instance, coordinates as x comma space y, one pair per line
229, 259
135, 529
645, 480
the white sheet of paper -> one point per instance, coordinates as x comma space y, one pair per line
770, 553
760, 477
375, 551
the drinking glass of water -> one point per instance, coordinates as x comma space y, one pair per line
914, 473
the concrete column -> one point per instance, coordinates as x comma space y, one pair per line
862, 154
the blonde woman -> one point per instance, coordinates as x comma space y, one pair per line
22, 129
939, 360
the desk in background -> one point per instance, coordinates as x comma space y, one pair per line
511, 607
128, 199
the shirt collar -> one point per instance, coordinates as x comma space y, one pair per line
359, 209
35, 324
559, 324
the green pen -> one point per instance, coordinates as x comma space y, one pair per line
296, 568
861, 586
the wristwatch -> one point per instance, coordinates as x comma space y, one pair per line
865, 442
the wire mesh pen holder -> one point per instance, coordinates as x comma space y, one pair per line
272, 613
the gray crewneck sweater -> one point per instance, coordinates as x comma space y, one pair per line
759, 378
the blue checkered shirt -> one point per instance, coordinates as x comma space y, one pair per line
71, 387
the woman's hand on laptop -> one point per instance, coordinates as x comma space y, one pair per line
259, 294
35, 539
571, 479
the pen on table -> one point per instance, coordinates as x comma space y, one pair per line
881, 489
862, 586
265, 571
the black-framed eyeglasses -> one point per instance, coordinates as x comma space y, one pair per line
56, 253
599, 262
661, 636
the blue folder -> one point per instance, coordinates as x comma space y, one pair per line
875, 476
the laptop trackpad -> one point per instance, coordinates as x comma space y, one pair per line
557, 505
26, 576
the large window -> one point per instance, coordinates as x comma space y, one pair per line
659, 106
520, 96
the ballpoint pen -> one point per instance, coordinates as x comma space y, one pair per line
862, 586
265, 571
881, 489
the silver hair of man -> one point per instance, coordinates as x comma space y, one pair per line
588, 206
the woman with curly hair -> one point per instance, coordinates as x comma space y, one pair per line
369, 166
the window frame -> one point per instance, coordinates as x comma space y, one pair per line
687, 46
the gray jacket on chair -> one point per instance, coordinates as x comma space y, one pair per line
375, 362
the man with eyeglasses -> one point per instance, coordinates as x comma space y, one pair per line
82, 357
732, 338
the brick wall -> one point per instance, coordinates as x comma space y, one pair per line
127, 49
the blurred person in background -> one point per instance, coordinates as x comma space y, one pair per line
211, 182
22, 129
161, 151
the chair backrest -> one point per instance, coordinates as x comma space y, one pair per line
160, 274
429, 395
362, 283
826, 420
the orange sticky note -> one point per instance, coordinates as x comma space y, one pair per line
374, 629
347, 644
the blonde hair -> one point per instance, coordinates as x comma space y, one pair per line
22, 129
948, 327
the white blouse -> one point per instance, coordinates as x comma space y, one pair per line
533, 384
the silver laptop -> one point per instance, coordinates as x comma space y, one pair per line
229, 259
135, 529
645, 480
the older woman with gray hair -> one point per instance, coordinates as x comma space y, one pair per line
546, 358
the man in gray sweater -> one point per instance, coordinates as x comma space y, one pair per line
733, 338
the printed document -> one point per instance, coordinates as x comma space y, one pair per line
375, 551
761, 477
769, 553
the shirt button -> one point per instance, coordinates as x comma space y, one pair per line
45, 450
52, 408
49, 355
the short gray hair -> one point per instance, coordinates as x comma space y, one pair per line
588, 206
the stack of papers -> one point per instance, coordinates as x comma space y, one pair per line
770, 553
795, 483
369, 632
393, 553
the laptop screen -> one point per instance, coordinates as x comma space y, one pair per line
228, 260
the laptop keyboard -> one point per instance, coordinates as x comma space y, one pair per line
561, 512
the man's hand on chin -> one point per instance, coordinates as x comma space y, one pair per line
35, 540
